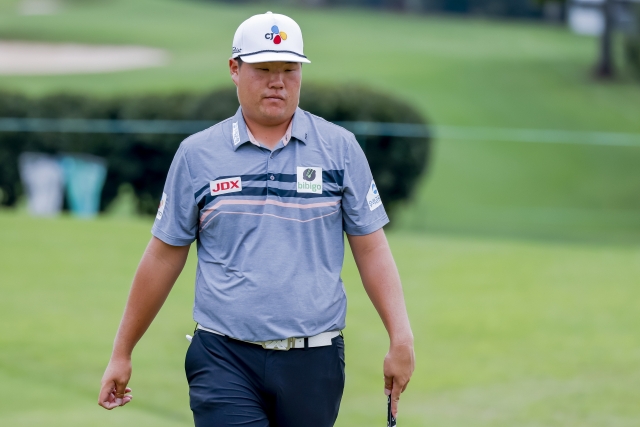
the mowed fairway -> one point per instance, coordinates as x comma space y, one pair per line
458, 72
508, 333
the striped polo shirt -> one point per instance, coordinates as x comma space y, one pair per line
269, 224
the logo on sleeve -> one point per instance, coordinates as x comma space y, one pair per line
163, 202
227, 185
309, 180
373, 197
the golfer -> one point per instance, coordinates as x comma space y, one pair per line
267, 195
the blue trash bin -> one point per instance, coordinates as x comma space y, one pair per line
84, 178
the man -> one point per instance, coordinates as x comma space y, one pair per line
267, 195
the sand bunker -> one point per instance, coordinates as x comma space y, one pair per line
27, 58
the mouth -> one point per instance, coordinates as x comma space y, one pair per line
274, 98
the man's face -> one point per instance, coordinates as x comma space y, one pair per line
268, 91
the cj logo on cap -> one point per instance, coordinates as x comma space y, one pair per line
276, 35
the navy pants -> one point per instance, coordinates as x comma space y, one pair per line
233, 383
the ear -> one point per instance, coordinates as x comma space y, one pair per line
234, 70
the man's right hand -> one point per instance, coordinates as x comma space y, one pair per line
159, 268
114, 388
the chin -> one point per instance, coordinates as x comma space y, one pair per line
274, 113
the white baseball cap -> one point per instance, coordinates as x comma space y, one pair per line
268, 37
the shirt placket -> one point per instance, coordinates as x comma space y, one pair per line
272, 170
272, 167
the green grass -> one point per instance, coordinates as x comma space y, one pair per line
458, 71
508, 333
464, 72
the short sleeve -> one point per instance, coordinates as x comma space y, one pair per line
362, 209
177, 218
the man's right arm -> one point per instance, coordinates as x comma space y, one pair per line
159, 268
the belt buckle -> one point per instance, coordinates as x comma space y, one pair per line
282, 345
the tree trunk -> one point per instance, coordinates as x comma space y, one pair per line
605, 67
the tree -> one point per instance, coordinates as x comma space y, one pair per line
605, 66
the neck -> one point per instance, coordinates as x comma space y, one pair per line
267, 135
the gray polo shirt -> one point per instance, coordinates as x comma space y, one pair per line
269, 225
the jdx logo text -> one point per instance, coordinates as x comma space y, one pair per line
227, 185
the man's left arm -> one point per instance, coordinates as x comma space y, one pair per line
381, 281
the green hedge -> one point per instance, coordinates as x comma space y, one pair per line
142, 160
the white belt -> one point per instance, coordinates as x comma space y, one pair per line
320, 340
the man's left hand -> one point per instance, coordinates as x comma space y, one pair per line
399, 364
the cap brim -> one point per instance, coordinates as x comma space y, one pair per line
273, 57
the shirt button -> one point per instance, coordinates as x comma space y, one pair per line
272, 177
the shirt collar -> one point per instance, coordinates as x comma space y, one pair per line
240, 133
300, 126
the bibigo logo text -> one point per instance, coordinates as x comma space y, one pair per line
276, 35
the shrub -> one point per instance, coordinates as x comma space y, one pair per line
143, 160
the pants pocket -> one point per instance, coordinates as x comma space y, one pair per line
190, 358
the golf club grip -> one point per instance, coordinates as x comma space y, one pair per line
391, 421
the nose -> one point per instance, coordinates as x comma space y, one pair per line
276, 81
